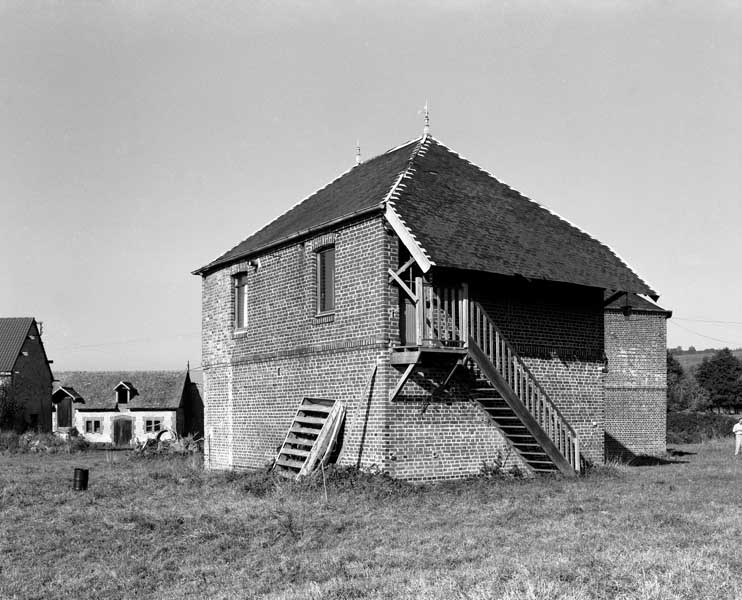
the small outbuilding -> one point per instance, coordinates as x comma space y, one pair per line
121, 407
25, 376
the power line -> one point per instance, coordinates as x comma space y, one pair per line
702, 335
708, 321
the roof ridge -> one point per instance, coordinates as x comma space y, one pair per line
546, 208
304, 199
393, 194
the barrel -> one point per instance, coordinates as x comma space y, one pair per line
80, 480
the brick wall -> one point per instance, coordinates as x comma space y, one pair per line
557, 329
448, 436
636, 382
255, 378
32, 383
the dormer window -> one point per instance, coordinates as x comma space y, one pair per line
124, 392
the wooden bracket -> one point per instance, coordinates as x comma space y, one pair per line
403, 285
402, 381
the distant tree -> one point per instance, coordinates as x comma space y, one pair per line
691, 349
683, 391
721, 376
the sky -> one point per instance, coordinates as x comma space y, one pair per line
139, 140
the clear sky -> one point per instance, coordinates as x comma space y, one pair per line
141, 139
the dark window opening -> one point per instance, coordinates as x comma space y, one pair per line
240, 301
326, 280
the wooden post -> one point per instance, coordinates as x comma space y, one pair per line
577, 454
419, 310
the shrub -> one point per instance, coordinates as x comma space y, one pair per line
693, 428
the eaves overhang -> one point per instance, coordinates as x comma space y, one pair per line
293, 238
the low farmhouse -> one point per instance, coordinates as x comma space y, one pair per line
459, 323
25, 376
121, 407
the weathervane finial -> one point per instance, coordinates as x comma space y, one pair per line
426, 129
358, 152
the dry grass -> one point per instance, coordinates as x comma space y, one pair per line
164, 529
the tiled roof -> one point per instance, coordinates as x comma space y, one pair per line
13, 332
158, 390
357, 191
636, 303
68, 391
461, 216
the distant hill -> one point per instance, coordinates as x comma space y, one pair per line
690, 360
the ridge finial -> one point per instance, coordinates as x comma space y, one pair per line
426, 129
358, 152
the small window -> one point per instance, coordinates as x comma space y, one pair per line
153, 425
92, 426
240, 301
326, 280
122, 395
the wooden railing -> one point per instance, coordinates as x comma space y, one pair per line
442, 313
509, 369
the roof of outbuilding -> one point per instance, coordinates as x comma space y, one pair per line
157, 390
461, 216
636, 303
13, 332
67, 390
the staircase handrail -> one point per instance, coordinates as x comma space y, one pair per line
478, 312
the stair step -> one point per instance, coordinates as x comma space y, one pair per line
308, 430
321, 408
300, 441
312, 420
287, 462
294, 452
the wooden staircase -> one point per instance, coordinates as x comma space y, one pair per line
311, 437
510, 425
516, 402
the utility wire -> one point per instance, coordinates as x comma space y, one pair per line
701, 334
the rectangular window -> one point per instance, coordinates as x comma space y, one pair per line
326, 280
92, 426
240, 301
152, 425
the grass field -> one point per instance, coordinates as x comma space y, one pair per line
165, 529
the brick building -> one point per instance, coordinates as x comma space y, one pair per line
459, 322
25, 376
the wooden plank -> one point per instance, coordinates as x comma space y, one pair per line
288, 451
405, 358
404, 267
320, 408
419, 310
407, 239
464, 313
299, 441
326, 440
401, 382
296, 428
304, 419
403, 285
287, 462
